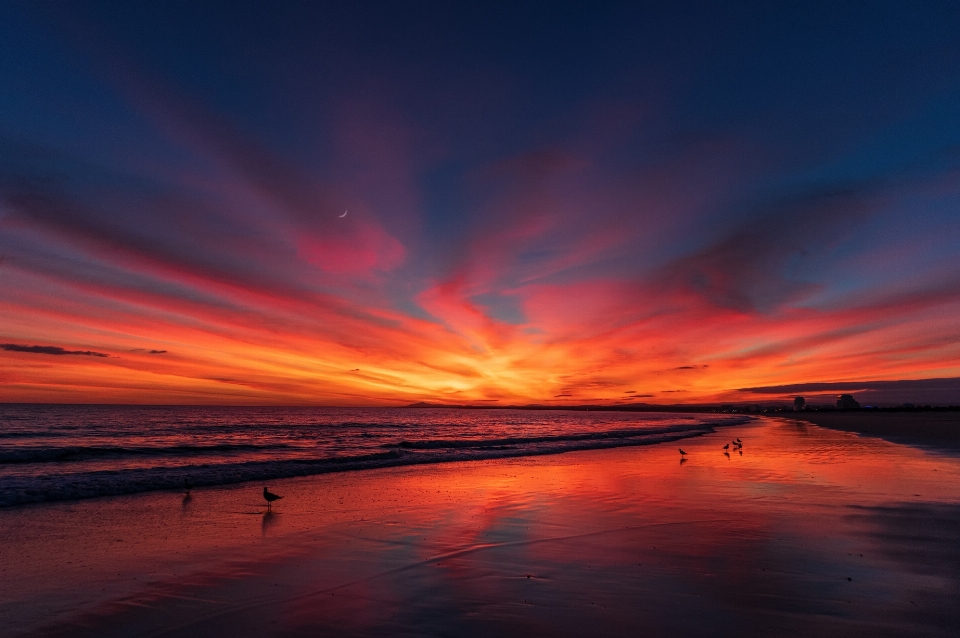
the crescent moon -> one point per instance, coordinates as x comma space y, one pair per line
344, 214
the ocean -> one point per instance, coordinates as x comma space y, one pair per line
57, 453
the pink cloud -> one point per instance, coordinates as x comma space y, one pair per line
365, 248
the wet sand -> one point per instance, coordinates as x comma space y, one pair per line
809, 532
933, 429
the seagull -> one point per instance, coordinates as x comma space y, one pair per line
270, 496
342, 216
682, 453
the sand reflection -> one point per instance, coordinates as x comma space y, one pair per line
809, 532
269, 519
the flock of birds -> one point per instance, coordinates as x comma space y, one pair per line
736, 443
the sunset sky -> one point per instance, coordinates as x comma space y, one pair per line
545, 203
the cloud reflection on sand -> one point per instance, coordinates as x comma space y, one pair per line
809, 532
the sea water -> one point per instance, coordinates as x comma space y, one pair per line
52, 453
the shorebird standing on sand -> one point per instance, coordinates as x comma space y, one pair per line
726, 447
682, 453
270, 496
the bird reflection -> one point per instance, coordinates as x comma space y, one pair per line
269, 519
726, 454
682, 460
187, 497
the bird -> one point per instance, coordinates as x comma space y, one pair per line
682, 453
270, 496
727, 446
187, 485
738, 440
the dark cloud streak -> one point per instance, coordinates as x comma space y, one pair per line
749, 269
54, 350
943, 383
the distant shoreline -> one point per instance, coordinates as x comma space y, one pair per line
933, 428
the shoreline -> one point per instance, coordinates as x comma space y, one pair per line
809, 532
938, 430
403, 454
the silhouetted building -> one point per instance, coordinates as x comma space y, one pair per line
847, 402
798, 404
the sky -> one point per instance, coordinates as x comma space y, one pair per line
488, 203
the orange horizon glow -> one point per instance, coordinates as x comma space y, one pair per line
583, 343
332, 335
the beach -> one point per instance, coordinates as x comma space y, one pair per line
810, 531
936, 429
